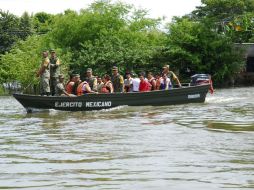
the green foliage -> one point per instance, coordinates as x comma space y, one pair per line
195, 46
42, 22
9, 31
108, 34
22, 62
234, 18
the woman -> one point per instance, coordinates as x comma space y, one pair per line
107, 86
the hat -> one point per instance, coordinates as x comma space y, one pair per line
52, 51
89, 70
61, 76
115, 68
165, 66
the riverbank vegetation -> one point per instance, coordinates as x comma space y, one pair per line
107, 34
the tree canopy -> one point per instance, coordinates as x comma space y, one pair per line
107, 34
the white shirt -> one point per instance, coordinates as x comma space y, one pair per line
135, 84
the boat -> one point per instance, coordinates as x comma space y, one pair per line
88, 102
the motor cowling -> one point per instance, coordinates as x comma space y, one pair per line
199, 79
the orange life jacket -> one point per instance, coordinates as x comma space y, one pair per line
80, 88
69, 87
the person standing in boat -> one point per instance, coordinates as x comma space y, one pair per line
171, 75
60, 90
44, 75
54, 70
117, 80
92, 80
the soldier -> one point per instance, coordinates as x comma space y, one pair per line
92, 80
117, 80
60, 91
44, 74
171, 75
54, 71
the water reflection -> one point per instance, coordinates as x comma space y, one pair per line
194, 146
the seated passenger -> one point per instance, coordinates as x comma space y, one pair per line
151, 80
77, 81
135, 83
128, 83
70, 84
99, 84
165, 83
158, 79
84, 88
107, 86
144, 85
59, 89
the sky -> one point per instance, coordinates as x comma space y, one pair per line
156, 8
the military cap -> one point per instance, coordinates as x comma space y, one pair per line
52, 51
165, 66
115, 68
89, 70
61, 76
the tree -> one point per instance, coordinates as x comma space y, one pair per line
42, 22
233, 18
9, 31
108, 34
25, 26
197, 47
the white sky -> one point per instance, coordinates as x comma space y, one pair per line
157, 8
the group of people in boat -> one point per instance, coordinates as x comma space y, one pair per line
52, 82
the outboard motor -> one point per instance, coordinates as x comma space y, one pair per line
199, 79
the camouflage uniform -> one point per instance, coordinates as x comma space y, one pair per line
92, 81
118, 83
54, 72
44, 77
59, 91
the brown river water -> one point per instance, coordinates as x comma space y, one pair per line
194, 146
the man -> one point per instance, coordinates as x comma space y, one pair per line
84, 88
54, 70
92, 80
70, 84
99, 84
44, 74
151, 80
117, 80
60, 91
135, 83
170, 74
77, 81
128, 83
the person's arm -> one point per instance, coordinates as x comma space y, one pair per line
122, 83
176, 79
111, 87
95, 84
